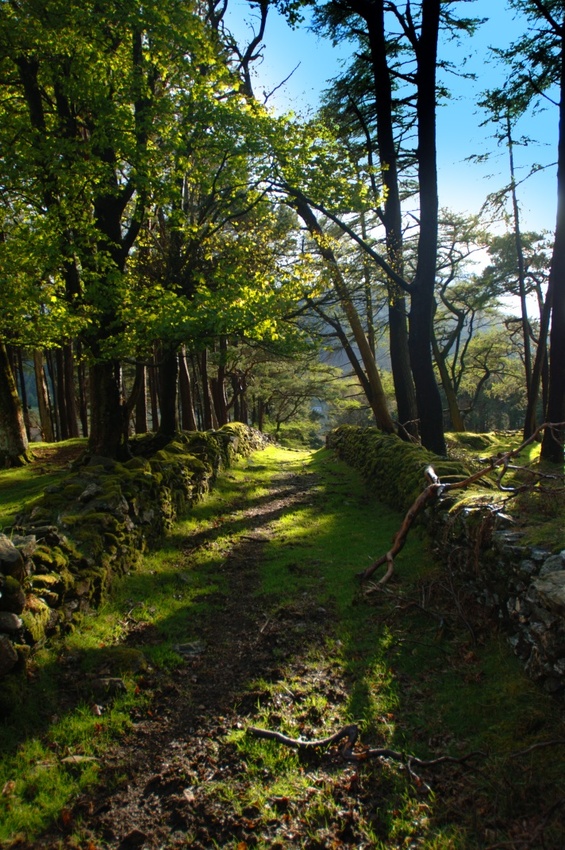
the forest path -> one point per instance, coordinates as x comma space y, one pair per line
270, 628
171, 755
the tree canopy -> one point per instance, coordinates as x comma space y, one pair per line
156, 220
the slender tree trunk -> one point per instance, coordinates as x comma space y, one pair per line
154, 391
82, 382
168, 373
188, 416
209, 415
457, 421
52, 369
141, 400
377, 400
45, 422
69, 390
14, 447
218, 386
23, 393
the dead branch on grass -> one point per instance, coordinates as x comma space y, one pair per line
351, 734
435, 489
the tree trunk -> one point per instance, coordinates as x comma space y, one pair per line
428, 398
168, 373
82, 393
14, 447
141, 400
108, 427
52, 370
456, 419
153, 376
69, 389
218, 386
554, 440
45, 422
392, 221
209, 415
377, 399
188, 416
23, 392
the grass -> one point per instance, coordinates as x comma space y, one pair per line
21, 487
400, 664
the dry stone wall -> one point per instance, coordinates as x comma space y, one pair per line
521, 587
61, 558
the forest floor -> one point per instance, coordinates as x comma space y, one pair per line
250, 616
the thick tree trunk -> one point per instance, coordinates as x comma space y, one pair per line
45, 421
554, 440
392, 220
428, 398
14, 447
108, 426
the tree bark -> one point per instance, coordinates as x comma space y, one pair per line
14, 447
141, 400
45, 420
208, 412
188, 416
422, 289
108, 426
377, 398
392, 220
553, 443
168, 373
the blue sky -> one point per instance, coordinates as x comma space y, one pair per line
463, 186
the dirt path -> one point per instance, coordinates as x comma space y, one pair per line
171, 754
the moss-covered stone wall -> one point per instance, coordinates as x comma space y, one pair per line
521, 587
61, 558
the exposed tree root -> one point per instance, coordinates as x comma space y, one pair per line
435, 489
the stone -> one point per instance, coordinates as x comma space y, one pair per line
11, 561
553, 564
26, 544
10, 623
12, 596
90, 492
8, 655
550, 590
108, 686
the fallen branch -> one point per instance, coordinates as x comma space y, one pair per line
435, 489
351, 734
